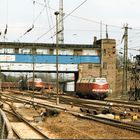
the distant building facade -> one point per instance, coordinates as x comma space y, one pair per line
77, 53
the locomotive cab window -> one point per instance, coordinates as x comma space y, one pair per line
91, 80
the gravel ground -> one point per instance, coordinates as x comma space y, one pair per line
66, 126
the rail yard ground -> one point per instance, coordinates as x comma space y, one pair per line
67, 126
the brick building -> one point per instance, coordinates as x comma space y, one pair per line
107, 67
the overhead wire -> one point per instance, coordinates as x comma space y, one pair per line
35, 19
82, 18
39, 14
47, 12
67, 15
32, 27
61, 20
51, 15
6, 26
93, 21
39, 3
86, 19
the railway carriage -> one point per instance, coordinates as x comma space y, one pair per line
90, 87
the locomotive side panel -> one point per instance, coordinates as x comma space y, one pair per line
96, 88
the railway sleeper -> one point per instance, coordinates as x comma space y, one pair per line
90, 111
134, 109
126, 115
47, 112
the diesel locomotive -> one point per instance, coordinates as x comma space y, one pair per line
32, 84
91, 87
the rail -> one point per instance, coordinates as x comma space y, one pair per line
5, 128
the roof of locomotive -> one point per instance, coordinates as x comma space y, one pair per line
92, 80
35, 79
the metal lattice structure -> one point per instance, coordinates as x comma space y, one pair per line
134, 92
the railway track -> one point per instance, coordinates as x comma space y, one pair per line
115, 123
23, 124
75, 131
89, 106
76, 101
94, 109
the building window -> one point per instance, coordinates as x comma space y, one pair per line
77, 52
51, 51
114, 50
105, 65
89, 66
105, 76
104, 52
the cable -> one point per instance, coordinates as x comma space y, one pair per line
48, 18
93, 21
39, 15
31, 28
51, 15
6, 28
38, 2
85, 19
62, 19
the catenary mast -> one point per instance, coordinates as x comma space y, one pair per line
61, 25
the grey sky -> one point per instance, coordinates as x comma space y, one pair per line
20, 14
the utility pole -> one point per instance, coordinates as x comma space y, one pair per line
125, 66
0, 78
61, 25
57, 82
33, 82
101, 56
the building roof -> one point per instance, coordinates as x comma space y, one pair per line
46, 45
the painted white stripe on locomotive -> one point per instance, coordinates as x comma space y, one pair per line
101, 90
100, 83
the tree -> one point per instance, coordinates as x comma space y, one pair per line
119, 62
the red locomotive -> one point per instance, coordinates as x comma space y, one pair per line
90, 87
38, 84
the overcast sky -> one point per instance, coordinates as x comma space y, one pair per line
80, 27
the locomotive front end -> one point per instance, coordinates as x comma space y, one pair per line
100, 88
